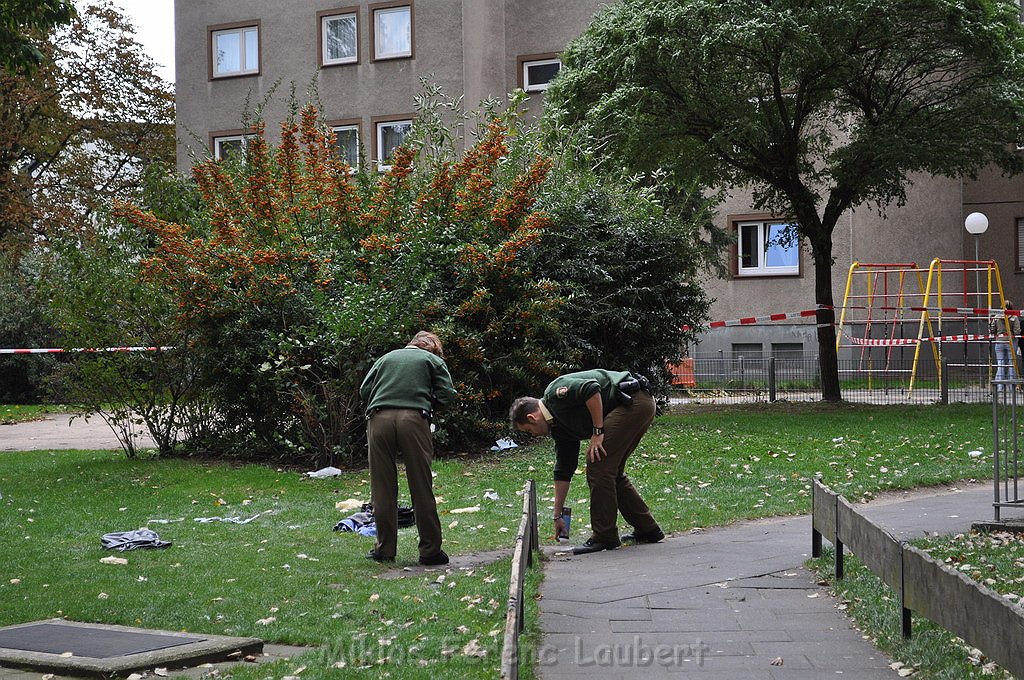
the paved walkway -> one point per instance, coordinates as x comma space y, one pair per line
726, 603
60, 431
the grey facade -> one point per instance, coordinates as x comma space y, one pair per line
476, 48
470, 47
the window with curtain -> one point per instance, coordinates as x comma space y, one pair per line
339, 35
236, 51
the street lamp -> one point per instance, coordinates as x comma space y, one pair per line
976, 223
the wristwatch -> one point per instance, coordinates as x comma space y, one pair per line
598, 430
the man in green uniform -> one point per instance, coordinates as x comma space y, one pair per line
400, 391
613, 410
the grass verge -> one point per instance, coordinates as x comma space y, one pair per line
18, 413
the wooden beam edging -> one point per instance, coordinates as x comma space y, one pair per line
823, 516
522, 557
874, 546
979, 615
934, 590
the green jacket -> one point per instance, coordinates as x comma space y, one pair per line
407, 378
566, 399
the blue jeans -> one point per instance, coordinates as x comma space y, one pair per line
1004, 361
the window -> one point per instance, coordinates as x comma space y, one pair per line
390, 135
746, 350
346, 140
1020, 244
537, 72
234, 50
229, 145
339, 37
767, 248
392, 30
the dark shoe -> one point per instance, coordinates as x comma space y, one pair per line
435, 560
377, 557
593, 545
654, 536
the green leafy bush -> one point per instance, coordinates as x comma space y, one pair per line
280, 275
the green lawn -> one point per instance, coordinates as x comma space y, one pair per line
18, 413
286, 577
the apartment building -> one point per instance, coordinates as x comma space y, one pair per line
370, 56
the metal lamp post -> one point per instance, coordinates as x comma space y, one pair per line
976, 223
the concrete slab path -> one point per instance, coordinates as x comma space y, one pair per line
731, 602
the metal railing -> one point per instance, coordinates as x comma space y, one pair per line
1007, 401
716, 379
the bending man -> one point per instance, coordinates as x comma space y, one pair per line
613, 410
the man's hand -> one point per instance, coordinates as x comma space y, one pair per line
560, 531
595, 451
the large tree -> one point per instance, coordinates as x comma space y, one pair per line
78, 130
816, 106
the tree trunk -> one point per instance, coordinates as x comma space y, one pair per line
828, 361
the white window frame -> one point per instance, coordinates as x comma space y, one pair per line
761, 268
350, 126
375, 13
245, 69
378, 133
325, 19
219, 140
537, 87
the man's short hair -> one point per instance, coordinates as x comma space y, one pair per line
522, 407
427, 341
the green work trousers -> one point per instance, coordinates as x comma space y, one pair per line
388, 432
611, 492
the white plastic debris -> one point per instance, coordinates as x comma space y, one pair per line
503, 444
491, 495
975, 454
232, 520
329, 471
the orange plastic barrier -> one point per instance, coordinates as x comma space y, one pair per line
682, 373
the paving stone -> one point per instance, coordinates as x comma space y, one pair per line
740, 590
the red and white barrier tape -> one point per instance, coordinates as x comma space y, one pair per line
750, 320
58, 350
884, 342
965, 311
898, 342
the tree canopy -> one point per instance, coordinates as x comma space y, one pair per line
815, 106
20, 23
79, 129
